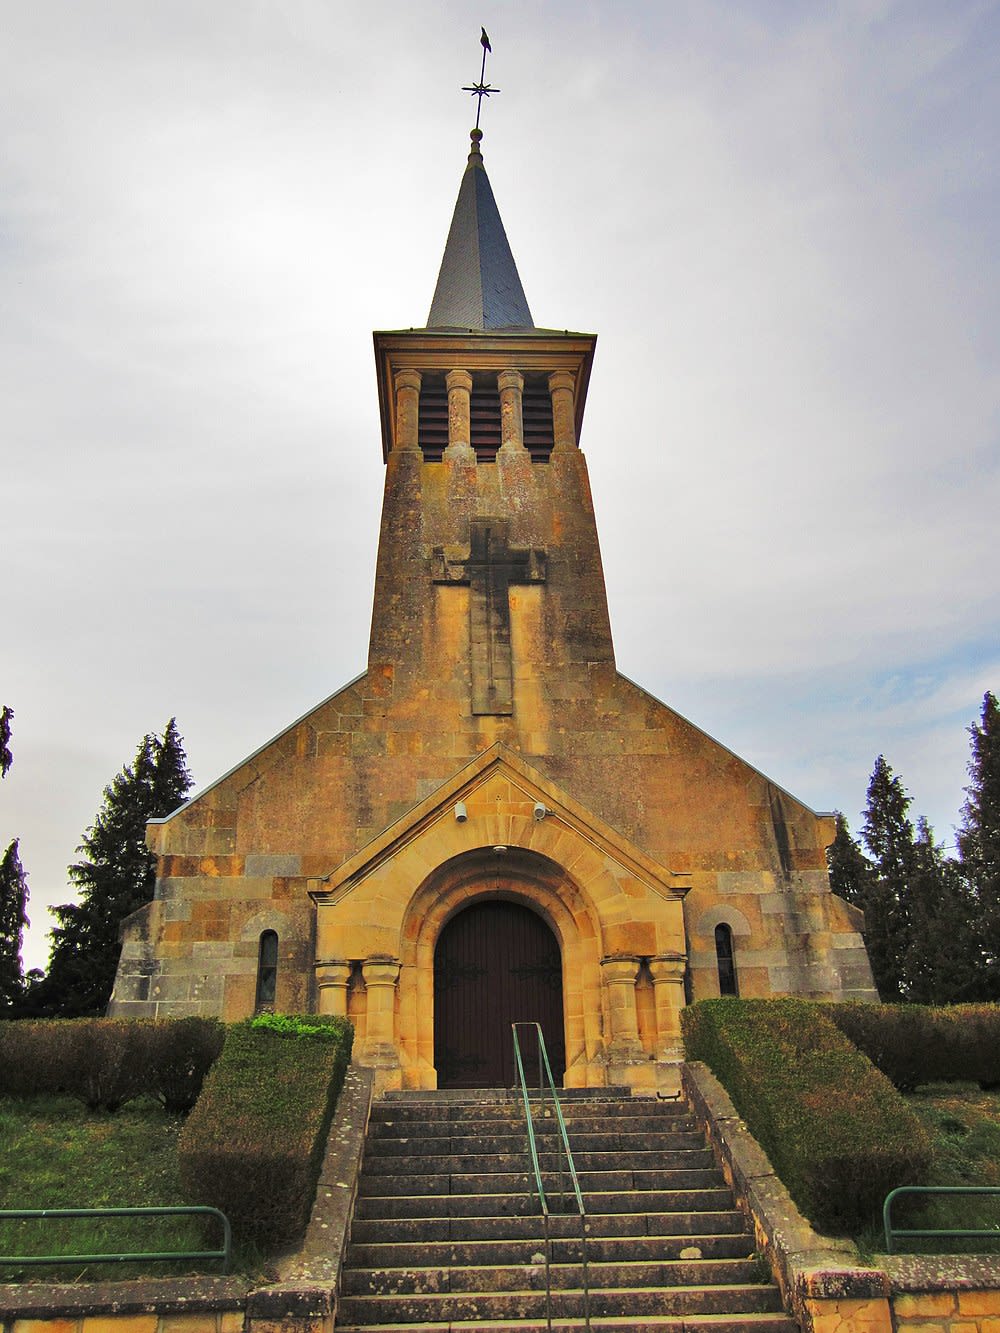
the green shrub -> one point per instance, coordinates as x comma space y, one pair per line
837, 1133
183, 1050
36, 1056
108, 1062
915, 1043
254, 1143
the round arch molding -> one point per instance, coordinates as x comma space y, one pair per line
533, 881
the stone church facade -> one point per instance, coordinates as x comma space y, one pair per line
490, 824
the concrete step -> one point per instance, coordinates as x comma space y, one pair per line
681, 1140
530, 1303
523, 1181
403, 1230
477, 1096
564, 1276
621, 1249
646, 1113
393, 1163
525, 1205
707, 1323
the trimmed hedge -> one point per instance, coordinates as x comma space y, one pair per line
837, 1133
919, 1043
254, 1143
107, 1062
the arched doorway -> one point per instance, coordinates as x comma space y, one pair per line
495, 963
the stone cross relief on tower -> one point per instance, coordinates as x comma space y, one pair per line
489, 569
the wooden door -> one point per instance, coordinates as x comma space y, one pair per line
495, 963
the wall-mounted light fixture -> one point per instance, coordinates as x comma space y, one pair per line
461, 814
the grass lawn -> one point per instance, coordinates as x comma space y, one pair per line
56, 1154
964, 1125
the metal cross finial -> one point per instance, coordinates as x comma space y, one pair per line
481, 89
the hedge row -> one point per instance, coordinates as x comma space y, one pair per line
106, 1062
254, 1143
916, 1043
837, 1132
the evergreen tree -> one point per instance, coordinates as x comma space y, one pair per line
116, 876
850, 870
979, 836
888, 835
942, 963
6, 758
13, 901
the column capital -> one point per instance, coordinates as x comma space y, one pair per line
458, 379
623, 967
380, 971
332, 971
407, 379
668, 968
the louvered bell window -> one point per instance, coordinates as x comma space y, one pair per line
432, 418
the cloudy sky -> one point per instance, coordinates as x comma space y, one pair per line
780, 217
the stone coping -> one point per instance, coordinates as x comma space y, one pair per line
307, 1285
942, 1272
189, 1295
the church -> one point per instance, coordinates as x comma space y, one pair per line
490, 825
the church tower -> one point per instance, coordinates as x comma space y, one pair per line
490, 825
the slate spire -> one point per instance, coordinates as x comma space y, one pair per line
478, 286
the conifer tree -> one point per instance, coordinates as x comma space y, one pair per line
979, 836
942, 962
116, 876
6, 758
13, 919
888, 836
850, 870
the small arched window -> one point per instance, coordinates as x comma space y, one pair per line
726, 960
267, 970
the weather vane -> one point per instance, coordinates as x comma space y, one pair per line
481, 89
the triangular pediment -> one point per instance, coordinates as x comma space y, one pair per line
507, 804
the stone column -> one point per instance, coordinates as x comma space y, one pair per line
561, 385
380, 976
407, 384
332, 978
619, 976
459, 384
668, 993
511, 386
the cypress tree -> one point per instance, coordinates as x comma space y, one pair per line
13, 919
850, 870
979, 836
888, 836
116, 876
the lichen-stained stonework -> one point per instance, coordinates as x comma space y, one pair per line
490, 749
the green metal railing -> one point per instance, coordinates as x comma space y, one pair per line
145, 1256
892, 1232
547, 1087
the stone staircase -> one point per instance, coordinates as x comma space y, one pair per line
447, 1233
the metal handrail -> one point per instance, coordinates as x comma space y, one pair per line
891, 1232
167, 1256
545, 1075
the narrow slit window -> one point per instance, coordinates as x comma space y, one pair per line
726, 960
267, 970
